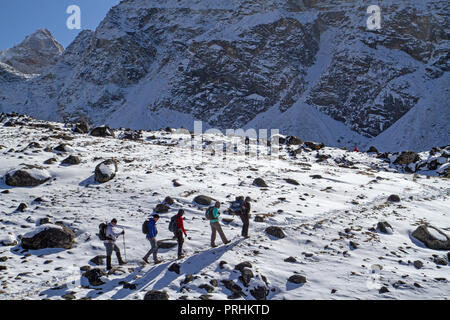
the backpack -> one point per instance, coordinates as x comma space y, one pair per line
102, 231
236, 205
173, 224
145, 227
209, 213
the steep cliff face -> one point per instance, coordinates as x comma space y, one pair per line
246, 63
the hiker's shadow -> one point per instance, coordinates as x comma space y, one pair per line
192, 265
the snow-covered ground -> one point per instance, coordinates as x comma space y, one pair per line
320, 217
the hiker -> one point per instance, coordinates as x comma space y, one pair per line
110, 244
245, 217
179, 233
215, 226
151, 236
356, 149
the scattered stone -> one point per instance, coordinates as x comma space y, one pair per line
214, 282
3, 259
222, 263
81, 127
260, 293
203, 200
51, 161
161, 208
246, 276
189, 277
106, 171
372, 149
103, 131
98, 260
69, 296
21, 207
259, 182
407, 157
175, 267
297, 279
94, 276
241, 266
156, 295
293, 140
423, 234
314, 146
290, 259
384, 227
259, 218
169, 201
383, 289
393, 198
71, 160
44, 221
418, 264
27, 176
292, 181
353, 245
440, 261
207, 287
49, 236
232, 286
275, 232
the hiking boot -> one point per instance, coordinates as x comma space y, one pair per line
213, 246
181, 256
227, 242
121, 263
145, 259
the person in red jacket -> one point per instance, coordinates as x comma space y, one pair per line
356, 149
179, 233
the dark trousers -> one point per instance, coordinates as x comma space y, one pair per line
110, 247
245, 224
180, 240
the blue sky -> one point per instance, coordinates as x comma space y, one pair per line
19, 18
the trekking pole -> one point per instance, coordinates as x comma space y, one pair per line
124, 248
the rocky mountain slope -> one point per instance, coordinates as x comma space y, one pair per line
326, 223
259, 64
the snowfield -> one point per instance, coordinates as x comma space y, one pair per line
329, 220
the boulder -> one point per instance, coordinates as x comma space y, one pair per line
49, 236
98, 260
63, 148
297, 279
407, 157
418, 264
207, 287
293, 140
161, 208
203, 200
393, 198
103, 131
94, 276
27, 176
156, 295
71, 160
436, 241
169, 201
232, 286
292, 181
314, 146
246, 276
175, 267
275, 232
241, 266
372, 149
259, 182
259, 293
7, 240
384, 227
106, 171
81, 127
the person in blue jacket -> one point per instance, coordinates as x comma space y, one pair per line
151, 236
215, 226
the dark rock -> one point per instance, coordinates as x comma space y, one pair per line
276, 232
241, 266
440, 261
314, 146
246, 276
50, 161
407, 157
384, 227
203, 200
27, 177
106, 171
156, 295
297, 279
316, 176
169, 201
44, 221
94, 276
418, 264
353, 245
214, 282
21, 207
71, 160
422, 234
50, 237
175, 267
260, 293
292, 181
81, 127
290, 259
372, 149
98, 260
3, 259
161, 208
3, 268
222, 263
383, 290
207, 287
393, 198
293, 140
104, 132
69, 296
62, 148
205, 297
232, 286
259, 218
189, 277
259, 182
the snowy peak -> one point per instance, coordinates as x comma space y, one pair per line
38, 51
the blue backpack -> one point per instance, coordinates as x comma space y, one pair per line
173, 224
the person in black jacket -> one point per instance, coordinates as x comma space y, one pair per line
245, 217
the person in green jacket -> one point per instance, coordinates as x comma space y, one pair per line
215, 227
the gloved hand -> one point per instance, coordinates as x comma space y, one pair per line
189, 238
123, 231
